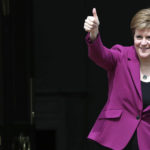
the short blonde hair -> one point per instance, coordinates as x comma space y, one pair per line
141, 20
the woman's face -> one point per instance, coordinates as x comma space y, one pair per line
142, 43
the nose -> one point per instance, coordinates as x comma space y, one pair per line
143, 42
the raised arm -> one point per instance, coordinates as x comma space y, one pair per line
97, 52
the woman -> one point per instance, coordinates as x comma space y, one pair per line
124, 122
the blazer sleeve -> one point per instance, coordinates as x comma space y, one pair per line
101, 55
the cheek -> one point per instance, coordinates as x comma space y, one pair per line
149, 43
136, 43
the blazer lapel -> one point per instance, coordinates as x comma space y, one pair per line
134, 69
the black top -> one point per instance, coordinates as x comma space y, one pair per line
146, 93
133, 144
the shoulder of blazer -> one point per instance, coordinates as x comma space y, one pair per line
125, 51
131, 53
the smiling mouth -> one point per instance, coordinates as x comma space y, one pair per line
144, 49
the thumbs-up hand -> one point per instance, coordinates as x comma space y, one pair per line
91, 24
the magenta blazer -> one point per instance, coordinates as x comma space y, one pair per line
123, 112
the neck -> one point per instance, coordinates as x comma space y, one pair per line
145, 66
145, 70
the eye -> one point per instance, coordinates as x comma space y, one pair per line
138, 36
148, 38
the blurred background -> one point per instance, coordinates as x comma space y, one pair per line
50, 92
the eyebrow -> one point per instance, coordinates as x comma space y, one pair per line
138, 35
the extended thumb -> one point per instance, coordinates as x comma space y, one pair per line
94, 13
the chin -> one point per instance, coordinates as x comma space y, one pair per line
144, 56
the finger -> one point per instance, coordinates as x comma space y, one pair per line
94, 13
94, 26
88, 25
87, 28
90, 18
